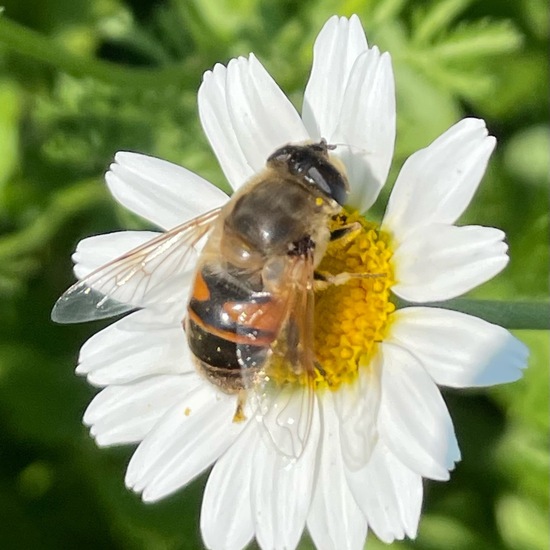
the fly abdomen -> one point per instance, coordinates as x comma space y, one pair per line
230, 326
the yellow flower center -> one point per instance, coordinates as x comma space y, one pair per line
350, 318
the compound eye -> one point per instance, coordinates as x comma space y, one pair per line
283, 155
299, 164
293, 158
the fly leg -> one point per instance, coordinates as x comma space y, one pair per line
322, 280
239, 415
348, 232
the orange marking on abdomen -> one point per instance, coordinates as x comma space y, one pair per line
263, 316
228, 335
201, 291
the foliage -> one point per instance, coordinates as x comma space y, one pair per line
80, 80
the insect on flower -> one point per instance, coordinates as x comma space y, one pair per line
251, 312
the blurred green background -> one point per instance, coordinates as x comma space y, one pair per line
82, 79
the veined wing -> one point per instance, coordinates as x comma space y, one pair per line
282, 393
150, 271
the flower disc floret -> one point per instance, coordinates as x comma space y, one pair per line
350, 318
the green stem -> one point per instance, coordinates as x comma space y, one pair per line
27, 42
512, 315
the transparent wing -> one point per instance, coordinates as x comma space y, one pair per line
129, 281
282, 390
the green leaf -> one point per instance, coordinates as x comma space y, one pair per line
416, 94
18, 248
477, 40
521, 89
28, 42
524, 458
526, 401
523, 525
385, 12
10, 110
527, 155
431, 21
446, 532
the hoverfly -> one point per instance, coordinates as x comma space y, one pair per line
251, 304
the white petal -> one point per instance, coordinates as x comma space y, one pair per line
126, 414
226, 516
185, 441
436, 184
413, 420
367, 127
439, 262
95, 252
389, 494
217, 126
338, 45
246, 116
459, 350
134, 347
335, 522
159, 191
357, 406
281, 492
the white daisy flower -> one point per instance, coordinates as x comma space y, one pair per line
379, 422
